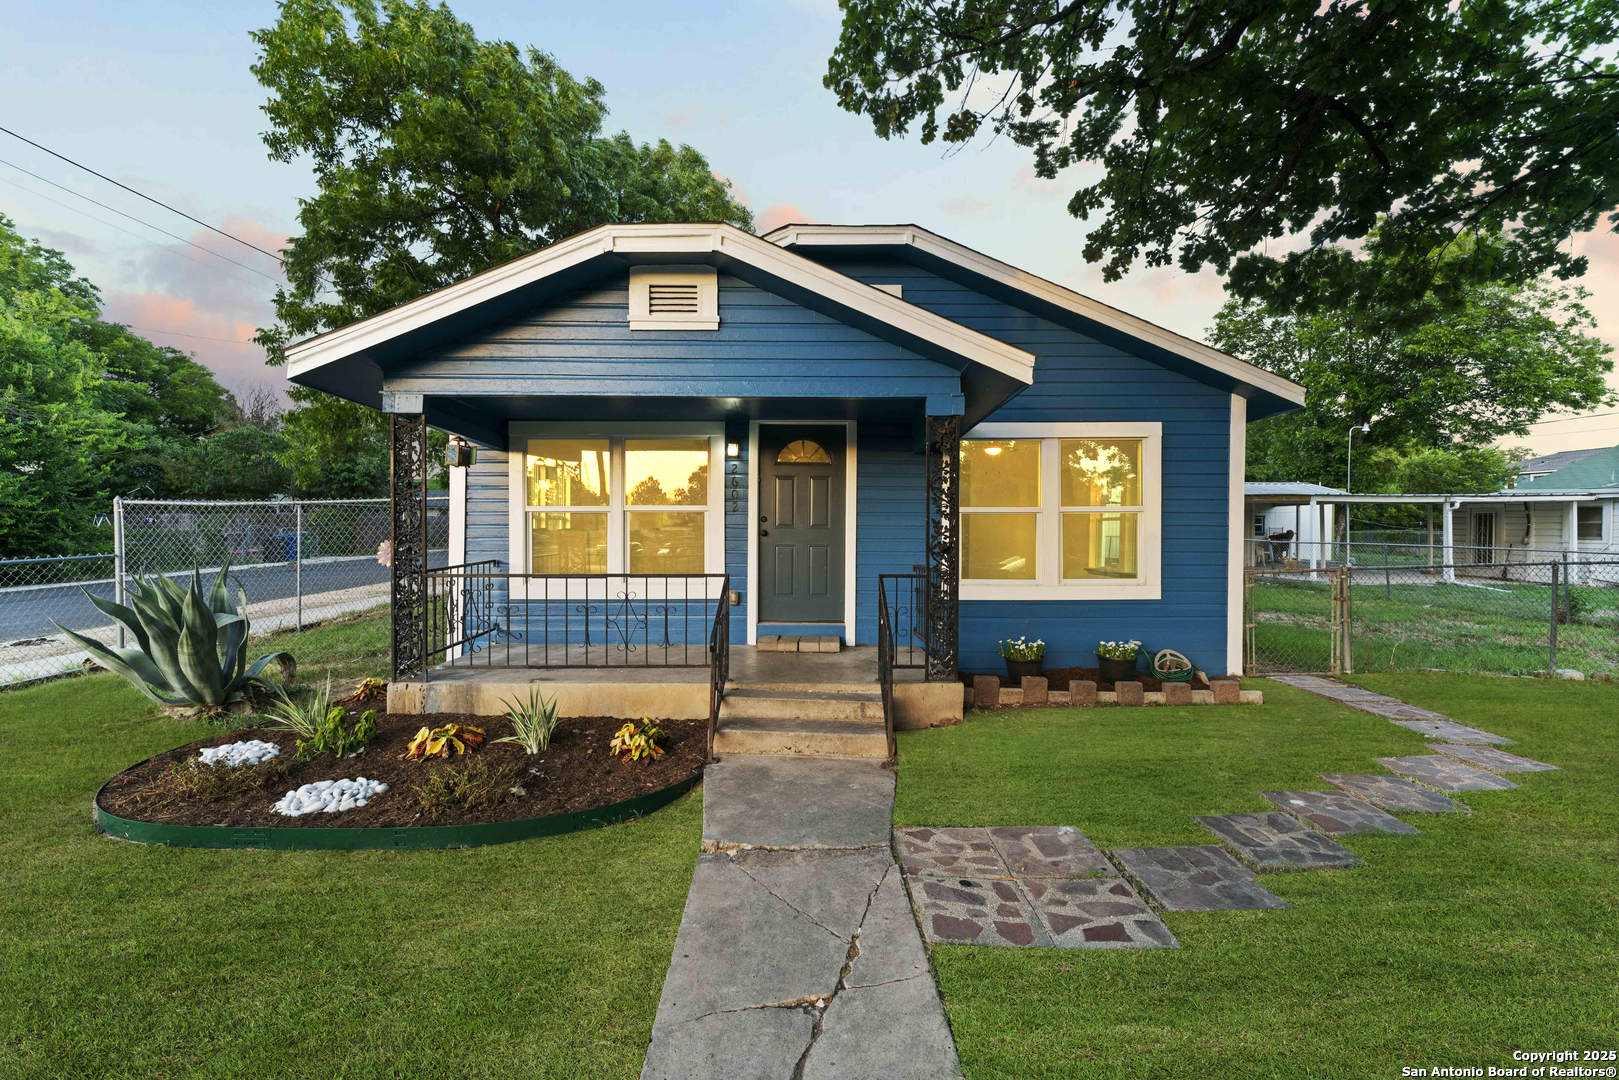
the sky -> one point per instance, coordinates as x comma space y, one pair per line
158, 95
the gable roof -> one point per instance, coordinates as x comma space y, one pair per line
1268, 394
1593, 473
1548, 463
348, 360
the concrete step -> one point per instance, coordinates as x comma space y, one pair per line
841, 705
818, 738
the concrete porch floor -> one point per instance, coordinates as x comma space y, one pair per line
477, 686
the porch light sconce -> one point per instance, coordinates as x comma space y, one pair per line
733, 449
459, 454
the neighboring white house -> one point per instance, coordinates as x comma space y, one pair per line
1572, 512
1291, 519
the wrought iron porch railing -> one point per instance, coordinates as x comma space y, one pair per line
479, 616
904, 600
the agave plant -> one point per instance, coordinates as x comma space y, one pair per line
191, 646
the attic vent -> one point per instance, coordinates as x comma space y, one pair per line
674, 298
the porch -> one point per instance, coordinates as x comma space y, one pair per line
813, 697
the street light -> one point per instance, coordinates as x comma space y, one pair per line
1349, 467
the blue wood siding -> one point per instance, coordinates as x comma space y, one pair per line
766, 346
1077, 380
891, 505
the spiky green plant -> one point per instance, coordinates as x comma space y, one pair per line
190, 646
534, 722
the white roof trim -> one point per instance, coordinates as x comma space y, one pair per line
790, 267
1050, 292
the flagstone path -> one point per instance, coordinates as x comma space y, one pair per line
799, 955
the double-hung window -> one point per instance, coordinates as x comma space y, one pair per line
641, 500
1061, 511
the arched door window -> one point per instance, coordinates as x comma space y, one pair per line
803, 452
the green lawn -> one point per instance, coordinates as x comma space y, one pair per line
1484, 935
538, 959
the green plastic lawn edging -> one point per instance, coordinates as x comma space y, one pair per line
413, 838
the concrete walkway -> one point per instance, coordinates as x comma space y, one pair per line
798, 956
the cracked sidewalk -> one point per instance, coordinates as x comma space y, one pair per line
799, 959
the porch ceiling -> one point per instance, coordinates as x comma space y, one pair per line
483, 420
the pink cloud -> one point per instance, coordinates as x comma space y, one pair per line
968, 206
774, 217
219, 339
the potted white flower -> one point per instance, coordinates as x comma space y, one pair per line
1116, 660
1023, 657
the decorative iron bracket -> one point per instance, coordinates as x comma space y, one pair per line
943, 451
407, 440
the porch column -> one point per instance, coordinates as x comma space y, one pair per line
407, 444
943, 450
1447, 526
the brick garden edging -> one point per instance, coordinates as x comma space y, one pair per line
986, 692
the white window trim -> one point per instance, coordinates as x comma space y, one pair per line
519, 432
707, 316
1047, 585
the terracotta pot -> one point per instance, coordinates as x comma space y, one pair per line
1115, 670
1016, 669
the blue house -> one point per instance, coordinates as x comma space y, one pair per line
692, 441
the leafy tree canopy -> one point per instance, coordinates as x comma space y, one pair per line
88, 410
1453, 376
436, 155
1223, 124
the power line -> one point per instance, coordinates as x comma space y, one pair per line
1566, 419
126, 232
143, 195
137, 220
199, 337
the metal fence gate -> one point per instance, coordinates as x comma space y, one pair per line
299, 561
1341, 619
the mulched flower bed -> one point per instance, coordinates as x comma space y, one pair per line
575, 773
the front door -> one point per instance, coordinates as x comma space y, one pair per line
801, 473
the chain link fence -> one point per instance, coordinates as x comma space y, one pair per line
1542, 616
299, 561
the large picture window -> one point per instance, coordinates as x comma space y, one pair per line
1060, 510
617, 504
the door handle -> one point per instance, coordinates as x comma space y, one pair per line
764, 532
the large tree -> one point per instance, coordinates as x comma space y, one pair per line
88, 410
1222, 125
436, 155
1465, 373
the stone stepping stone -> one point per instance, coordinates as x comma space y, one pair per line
1445, 773
1451, 731
1493, 759
1096, 914
968, 911
1202, 878
1049, 851
949, 852
1336, 813
1278, 842
1392, 709
1392, 793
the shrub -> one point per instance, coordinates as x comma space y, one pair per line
439, 741
534, 722
191, 648
337, 736
305, 719
635, 744
475, 786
